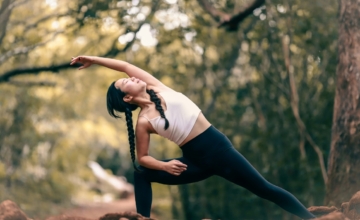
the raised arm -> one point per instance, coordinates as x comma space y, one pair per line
118, 65
173, 167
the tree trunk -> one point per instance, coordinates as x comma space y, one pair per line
344, 160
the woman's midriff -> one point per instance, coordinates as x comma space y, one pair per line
200, 126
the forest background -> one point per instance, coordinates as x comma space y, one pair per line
267, 83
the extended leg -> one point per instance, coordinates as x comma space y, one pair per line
143, 191
235, 168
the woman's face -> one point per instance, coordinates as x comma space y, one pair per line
131, 86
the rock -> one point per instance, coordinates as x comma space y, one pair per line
354, 202
10, 211
345, 209
336, 215
322, 210
66, 217
351, 209
123, 216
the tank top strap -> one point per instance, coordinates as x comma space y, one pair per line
144, 117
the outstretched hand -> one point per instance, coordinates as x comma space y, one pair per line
175, 167
86, 61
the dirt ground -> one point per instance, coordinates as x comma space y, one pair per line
126, 208
97, 210
116, 210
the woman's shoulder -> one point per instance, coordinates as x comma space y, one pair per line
143, 124
161, 89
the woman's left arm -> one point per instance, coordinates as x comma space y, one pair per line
173, 167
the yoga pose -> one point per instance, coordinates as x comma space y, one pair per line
206, 151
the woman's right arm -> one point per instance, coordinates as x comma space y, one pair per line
173, 167
118, 65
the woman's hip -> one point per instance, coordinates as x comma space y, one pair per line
206, 146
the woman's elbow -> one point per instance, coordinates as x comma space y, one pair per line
141, 161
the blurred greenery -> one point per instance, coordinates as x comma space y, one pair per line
53, 118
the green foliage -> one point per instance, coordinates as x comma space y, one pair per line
239, 79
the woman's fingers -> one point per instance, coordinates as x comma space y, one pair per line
177, 167
177, 173
86, 63
180, 167
178, 163
74, 60
78, 59
184, 166
84, 66
178, 170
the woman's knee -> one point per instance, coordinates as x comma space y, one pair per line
263, 189
147, 175
140, 176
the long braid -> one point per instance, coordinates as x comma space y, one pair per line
154, 98
131, 135
115, 103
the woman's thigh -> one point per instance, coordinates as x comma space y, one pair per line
192, 174
234, 167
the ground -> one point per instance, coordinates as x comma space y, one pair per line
96, 210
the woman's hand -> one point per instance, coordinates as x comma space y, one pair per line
175, 167
86, 61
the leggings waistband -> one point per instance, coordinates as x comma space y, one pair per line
205, 144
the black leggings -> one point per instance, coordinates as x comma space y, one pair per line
211, 153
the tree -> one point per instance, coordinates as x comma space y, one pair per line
344, 162
274, 112
71, 19
227, 20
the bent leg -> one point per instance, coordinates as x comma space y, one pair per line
234, 167
143, 191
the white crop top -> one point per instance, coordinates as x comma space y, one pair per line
181, 113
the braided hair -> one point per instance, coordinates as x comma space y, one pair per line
115, 103
155, 99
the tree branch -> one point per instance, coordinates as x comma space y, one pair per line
230, 22
295, 107
233, 23
56, 68
113, 51
217, 15
24, 50
5, 12
28, 84
230, 65
17, 3
43, 19
34, 70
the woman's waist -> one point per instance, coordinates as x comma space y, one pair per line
208, 144
201, 125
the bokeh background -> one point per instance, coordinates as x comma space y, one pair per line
53, 118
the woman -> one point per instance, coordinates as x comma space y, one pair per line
206, 151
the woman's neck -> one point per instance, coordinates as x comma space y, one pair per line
143, 101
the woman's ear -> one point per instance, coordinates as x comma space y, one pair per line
127, 98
